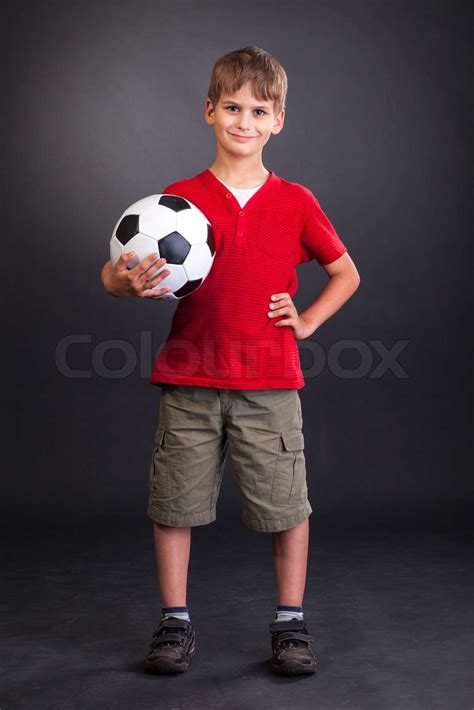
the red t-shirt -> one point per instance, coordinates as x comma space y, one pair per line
221, 335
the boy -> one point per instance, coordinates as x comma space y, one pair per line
230, 369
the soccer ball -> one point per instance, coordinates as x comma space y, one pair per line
176, 229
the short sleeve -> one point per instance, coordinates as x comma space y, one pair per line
319, 240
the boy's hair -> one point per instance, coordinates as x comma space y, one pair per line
234, 69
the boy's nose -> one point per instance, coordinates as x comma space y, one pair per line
243, 124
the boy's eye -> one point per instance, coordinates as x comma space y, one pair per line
257, 109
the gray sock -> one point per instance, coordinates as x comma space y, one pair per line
179, 612
287, 613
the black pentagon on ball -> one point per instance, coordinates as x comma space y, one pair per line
174, 248
210, 240
127, 228
188, 288
174, 202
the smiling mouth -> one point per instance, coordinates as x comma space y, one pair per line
236, 135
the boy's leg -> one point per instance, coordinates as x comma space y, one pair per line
172, 548
173, 643
185, 477
290, 556
267, 447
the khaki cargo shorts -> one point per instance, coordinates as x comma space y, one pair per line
263, 431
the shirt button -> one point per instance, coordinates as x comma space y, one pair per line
241, 213
228, 194
239, 234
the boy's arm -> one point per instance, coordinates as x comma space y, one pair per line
320, 241
343, 281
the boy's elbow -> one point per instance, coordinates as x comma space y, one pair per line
355, 283
353, 276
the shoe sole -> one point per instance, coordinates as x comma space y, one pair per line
164, 665
295, 668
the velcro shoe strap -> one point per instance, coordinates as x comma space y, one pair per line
293, 625
171, 621
169, 637
293, 636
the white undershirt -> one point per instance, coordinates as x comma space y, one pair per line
243, 194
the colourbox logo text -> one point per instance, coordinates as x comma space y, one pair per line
375, 359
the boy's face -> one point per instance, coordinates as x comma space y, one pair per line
243, 124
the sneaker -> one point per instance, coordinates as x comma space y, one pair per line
291, 646
172, 647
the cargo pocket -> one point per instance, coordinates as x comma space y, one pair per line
289, 480
159, 471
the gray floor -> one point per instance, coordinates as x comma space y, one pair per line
391, 613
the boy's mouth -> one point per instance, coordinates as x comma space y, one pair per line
242, 138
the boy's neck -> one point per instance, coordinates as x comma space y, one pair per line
236, 174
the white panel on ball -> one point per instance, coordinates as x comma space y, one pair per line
143, 246
116, 250
191, 227
157, 221
175, 280
198, 262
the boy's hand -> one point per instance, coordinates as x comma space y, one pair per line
282, 305
120, 281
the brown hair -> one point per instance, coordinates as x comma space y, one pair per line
234, 69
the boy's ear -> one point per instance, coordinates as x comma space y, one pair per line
278, 122
209, 112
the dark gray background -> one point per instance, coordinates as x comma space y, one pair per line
104, 105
